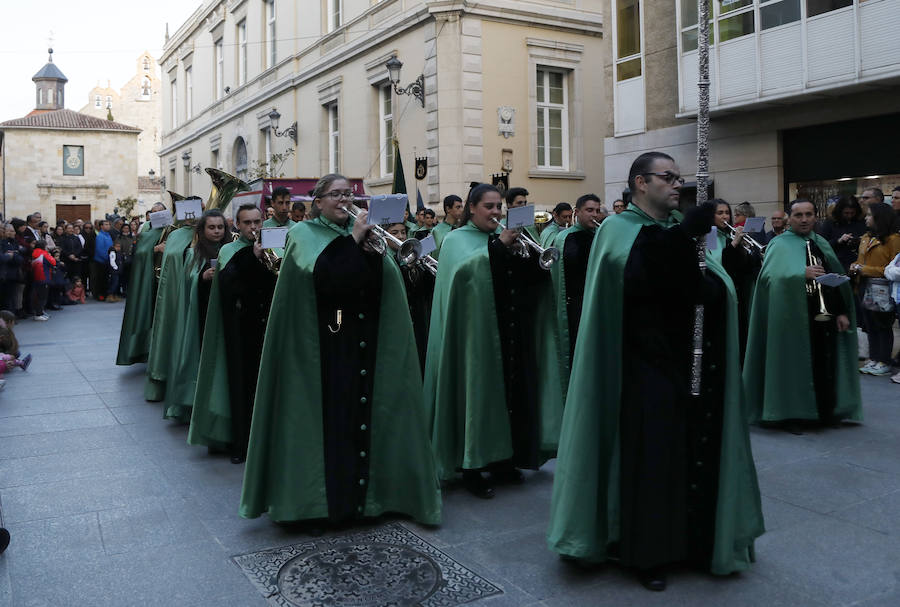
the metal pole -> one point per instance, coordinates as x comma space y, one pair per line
702, 177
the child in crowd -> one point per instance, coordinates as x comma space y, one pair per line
9, 347
41, 265
76, 294
116, 264
58, 283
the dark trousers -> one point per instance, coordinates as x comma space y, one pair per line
114, 283
879, 327
98, 278
39, 298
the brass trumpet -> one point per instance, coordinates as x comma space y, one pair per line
429, 263
524, 242
269, 258
749, 243
408, 251
814, 288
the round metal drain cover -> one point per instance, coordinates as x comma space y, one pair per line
358, 575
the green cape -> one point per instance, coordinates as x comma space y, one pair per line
440, 232
184, 360
211, 417
584, 515
167, 314
285, 470
778, 379
134, 337
465, 396
549, 233
558, 273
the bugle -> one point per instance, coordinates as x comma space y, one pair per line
547, 257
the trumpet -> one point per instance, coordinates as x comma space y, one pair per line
408, 251
269, 258
429, 263
750, 244
814, 288
524, 242
596, 223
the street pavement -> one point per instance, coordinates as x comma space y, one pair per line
108, 505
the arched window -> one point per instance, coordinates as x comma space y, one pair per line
108, 101
240, 158
145, 88
98, 102
146, 64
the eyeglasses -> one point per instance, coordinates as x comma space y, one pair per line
336, 194
669, 177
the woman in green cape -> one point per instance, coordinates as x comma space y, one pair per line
168, 313
492, 387
338, 429
134, 337
198, 272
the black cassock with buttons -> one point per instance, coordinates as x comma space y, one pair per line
670, 441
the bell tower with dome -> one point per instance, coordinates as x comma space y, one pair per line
50, 85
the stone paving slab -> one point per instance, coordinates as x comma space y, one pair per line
109, 506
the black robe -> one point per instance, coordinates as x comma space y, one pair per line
743, 268
575, 254
514, 280
348, 280
669, 440
245, 292
419, 285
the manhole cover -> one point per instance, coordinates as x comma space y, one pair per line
387, 566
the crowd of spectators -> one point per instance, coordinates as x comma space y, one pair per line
45, 269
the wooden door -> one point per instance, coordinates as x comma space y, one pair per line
71, 212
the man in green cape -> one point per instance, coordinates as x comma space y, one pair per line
453, 210
562, 219
647, 473
341, 434
236, 318
518, 197
134, 337
168, 314
469, 385
799, 367
281, 203
574, 245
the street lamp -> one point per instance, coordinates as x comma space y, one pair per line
186, 158
416, 88
291, 131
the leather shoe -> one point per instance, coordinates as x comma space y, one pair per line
478, 485
509, 475
653, 579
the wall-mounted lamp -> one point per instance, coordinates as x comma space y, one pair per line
186, 158
291, 131
416, 88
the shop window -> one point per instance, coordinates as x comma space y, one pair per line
819, 7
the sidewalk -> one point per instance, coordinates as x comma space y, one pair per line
108, 505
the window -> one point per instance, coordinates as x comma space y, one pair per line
145, 88
146, 64
240, 158
689, 19
242, 52
628, 39
219, 82
552, 119
40, 96
334, 138
174, 103
270, 32
98, 102
386, 129
334, 15
819, 7
736, 19
214, 159
109, 102
778, 13
188, 93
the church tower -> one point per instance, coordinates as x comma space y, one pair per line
50, 84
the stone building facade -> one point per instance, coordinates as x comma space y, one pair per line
531, 70
804, 95
63, 163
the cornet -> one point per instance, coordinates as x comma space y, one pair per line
524, 242
408, 251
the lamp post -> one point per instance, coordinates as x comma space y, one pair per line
416, 88
291, 131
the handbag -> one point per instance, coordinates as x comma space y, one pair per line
877, 296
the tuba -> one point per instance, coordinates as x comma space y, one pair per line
224, 188
157, 257
541, 220
814, 288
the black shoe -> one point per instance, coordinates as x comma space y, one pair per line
4, 539
653, 579
54, 308
238, 459
478, 485
509, 475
